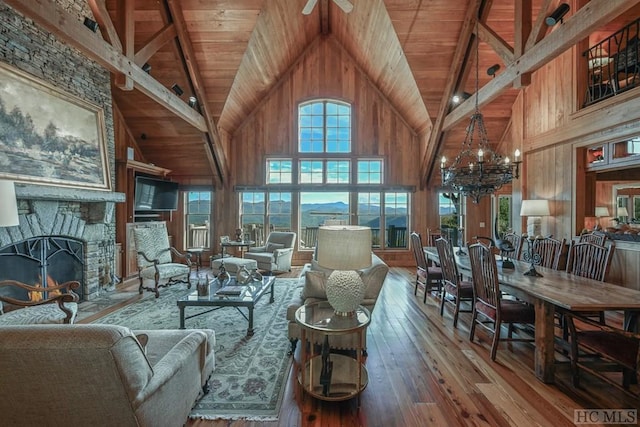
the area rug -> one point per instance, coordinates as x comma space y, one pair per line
251, 372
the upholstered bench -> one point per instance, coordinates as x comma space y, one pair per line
233, 264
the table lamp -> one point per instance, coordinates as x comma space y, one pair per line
534, 210
601, 211
344, 249
8, 205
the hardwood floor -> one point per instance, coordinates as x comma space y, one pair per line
422, 372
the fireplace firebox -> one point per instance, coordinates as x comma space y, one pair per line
44, 260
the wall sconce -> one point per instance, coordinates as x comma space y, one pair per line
9, 205
91, 24
193, 101
177, 89
146, 67
458, 98
493, 70
557, 14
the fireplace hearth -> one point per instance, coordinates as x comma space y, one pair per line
64, 234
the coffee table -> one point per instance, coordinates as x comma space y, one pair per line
248, 297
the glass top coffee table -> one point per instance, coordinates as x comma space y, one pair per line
228, 295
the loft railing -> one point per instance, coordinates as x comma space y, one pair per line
612, 64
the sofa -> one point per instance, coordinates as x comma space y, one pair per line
312, 283
82, 375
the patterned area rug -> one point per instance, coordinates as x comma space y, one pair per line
251, 373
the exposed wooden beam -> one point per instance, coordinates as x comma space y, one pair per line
151, 46
580, 25
522, 28
67, 28
108, 30
323, 7
110, 34
214, 143
501, 47
540, 27
456, 71
126, 27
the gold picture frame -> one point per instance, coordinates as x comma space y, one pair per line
48, 136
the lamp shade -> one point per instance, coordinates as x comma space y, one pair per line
344, 247
535, 208
602, 211
622, 211
8, 205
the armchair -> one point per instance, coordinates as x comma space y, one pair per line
155, 262
276, 253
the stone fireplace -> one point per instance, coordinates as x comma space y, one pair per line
64, 234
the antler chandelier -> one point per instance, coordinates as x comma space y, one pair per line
479, 171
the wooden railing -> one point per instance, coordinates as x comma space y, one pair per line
613, 64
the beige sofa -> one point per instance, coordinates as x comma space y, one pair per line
91, 375
312, 289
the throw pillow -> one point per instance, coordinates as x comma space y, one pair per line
271, 247
315, 285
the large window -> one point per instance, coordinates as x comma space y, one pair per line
329, 184
324, 127
198, 219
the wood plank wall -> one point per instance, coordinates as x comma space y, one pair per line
328, 71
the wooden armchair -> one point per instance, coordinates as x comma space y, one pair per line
29, 305
598, 349
155, 262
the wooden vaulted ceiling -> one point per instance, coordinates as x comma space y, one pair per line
229, 55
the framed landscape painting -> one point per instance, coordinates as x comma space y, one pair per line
48, 136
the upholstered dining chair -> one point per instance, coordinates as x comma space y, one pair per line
427, 277
454, 288
31, 305
598, 349
490, 310
155, 259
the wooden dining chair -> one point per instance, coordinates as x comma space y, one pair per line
427, 277
516, 241
593, 261
490, 310
550, 251
600, 349
597, 238
454, 289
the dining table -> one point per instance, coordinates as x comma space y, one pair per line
555, 290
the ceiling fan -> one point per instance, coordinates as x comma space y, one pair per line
345, 5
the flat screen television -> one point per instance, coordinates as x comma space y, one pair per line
155, 194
